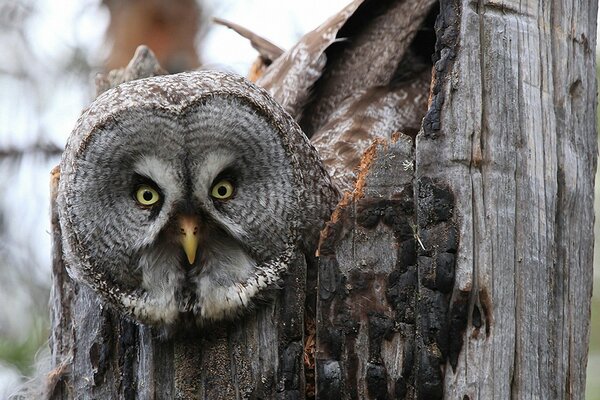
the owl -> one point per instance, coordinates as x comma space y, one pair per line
185, 196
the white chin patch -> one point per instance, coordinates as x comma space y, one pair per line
150, 309
222, 295
227, 287
160, 282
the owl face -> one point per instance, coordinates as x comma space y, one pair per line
191, 206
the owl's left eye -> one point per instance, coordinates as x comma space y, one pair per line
222, 190
146, 195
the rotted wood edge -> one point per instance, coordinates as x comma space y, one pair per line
443, 311
386, 273
420, 287
54, 385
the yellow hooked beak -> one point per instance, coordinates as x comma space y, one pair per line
188, 227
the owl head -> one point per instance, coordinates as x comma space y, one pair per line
187, 195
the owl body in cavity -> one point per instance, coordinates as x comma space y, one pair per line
186, 195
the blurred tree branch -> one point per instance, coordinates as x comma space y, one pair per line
170, 29
47, 149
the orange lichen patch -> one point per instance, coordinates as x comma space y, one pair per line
54, 178
396, 136
365, 165
345, 202
332, 227
309, 357
433, 77
328, 233
257, 69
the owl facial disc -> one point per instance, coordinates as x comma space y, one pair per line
188, 194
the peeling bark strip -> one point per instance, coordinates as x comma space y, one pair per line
365, 305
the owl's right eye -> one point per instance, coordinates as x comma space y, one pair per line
222, 190
146, 195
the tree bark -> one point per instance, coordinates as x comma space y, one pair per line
491, 297
511, 132
367, 279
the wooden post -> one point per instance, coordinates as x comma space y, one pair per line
511, 133
489, 297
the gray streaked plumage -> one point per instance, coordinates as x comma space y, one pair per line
181, 132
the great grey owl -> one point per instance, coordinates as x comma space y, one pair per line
186, 195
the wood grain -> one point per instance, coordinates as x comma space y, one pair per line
511, 131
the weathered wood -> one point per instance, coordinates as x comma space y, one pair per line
366, 46
511, 132
143, 65
495, 291
373, 43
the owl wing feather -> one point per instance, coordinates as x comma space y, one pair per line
290, 78
359, 77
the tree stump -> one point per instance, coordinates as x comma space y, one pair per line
460, 266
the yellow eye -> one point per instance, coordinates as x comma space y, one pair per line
147, 195
222, 190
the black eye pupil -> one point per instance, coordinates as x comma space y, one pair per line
222, 190
147, 195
